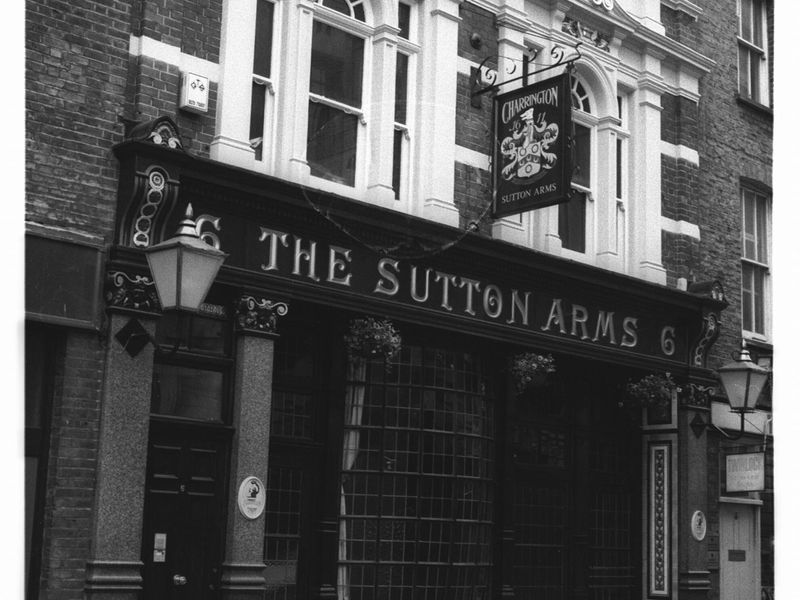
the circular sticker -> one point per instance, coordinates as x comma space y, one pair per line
252, 497
699, 525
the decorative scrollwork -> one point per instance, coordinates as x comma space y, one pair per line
577, 29
483, 78
135, 292
161, 131
708, 336
694, 395
259, 315
607, 4
659, 542
152, 198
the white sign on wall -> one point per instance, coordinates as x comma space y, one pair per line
744, 472
252, 497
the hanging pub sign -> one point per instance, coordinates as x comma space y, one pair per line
532, 166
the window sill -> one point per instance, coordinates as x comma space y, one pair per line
757, 106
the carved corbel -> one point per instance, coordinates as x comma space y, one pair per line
259, 315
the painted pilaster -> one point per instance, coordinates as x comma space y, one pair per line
694, 577
660, 501
293, 132
608, 255
512, 24
243, 569
438, 118
231, 144
115, 569
384, 57
645, 220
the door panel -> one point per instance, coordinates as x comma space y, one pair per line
183, 532
740, 568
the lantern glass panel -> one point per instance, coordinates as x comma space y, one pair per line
164, 268
198, 270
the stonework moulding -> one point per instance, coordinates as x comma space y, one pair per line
586, 34
259, 315
149, 190
161, 131
131, 292
696, 396
659, 534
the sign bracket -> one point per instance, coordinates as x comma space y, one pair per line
477, 89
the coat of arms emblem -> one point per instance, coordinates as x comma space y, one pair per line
526, 151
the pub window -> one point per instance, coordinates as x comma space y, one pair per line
752, 38
191, 373
572, 214
403, 109
417, 479
261, 104
756, 259
335, 101
571, 482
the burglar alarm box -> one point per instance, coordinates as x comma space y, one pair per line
194, 93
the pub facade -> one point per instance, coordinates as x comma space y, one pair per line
393, 387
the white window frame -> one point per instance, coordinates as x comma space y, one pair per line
411, 49
755, 53
762, 198
623, 136
270, 97
362, 30
590, 121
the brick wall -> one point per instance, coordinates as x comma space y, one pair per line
192, 26
679, 256
155, 89
76, 68
473, 186
473, 196
733, 139
679, 121
72, 462
679, 26
154, 86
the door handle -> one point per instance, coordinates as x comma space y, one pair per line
179, 580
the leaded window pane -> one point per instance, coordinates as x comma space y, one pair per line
417, 479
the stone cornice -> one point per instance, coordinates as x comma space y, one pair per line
684, 6
512, 18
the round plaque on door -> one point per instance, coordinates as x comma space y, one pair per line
252, 497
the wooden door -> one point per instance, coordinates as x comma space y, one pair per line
740, 568
182, 546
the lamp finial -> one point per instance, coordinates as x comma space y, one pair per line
187, 226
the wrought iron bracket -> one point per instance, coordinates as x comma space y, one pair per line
477, 88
